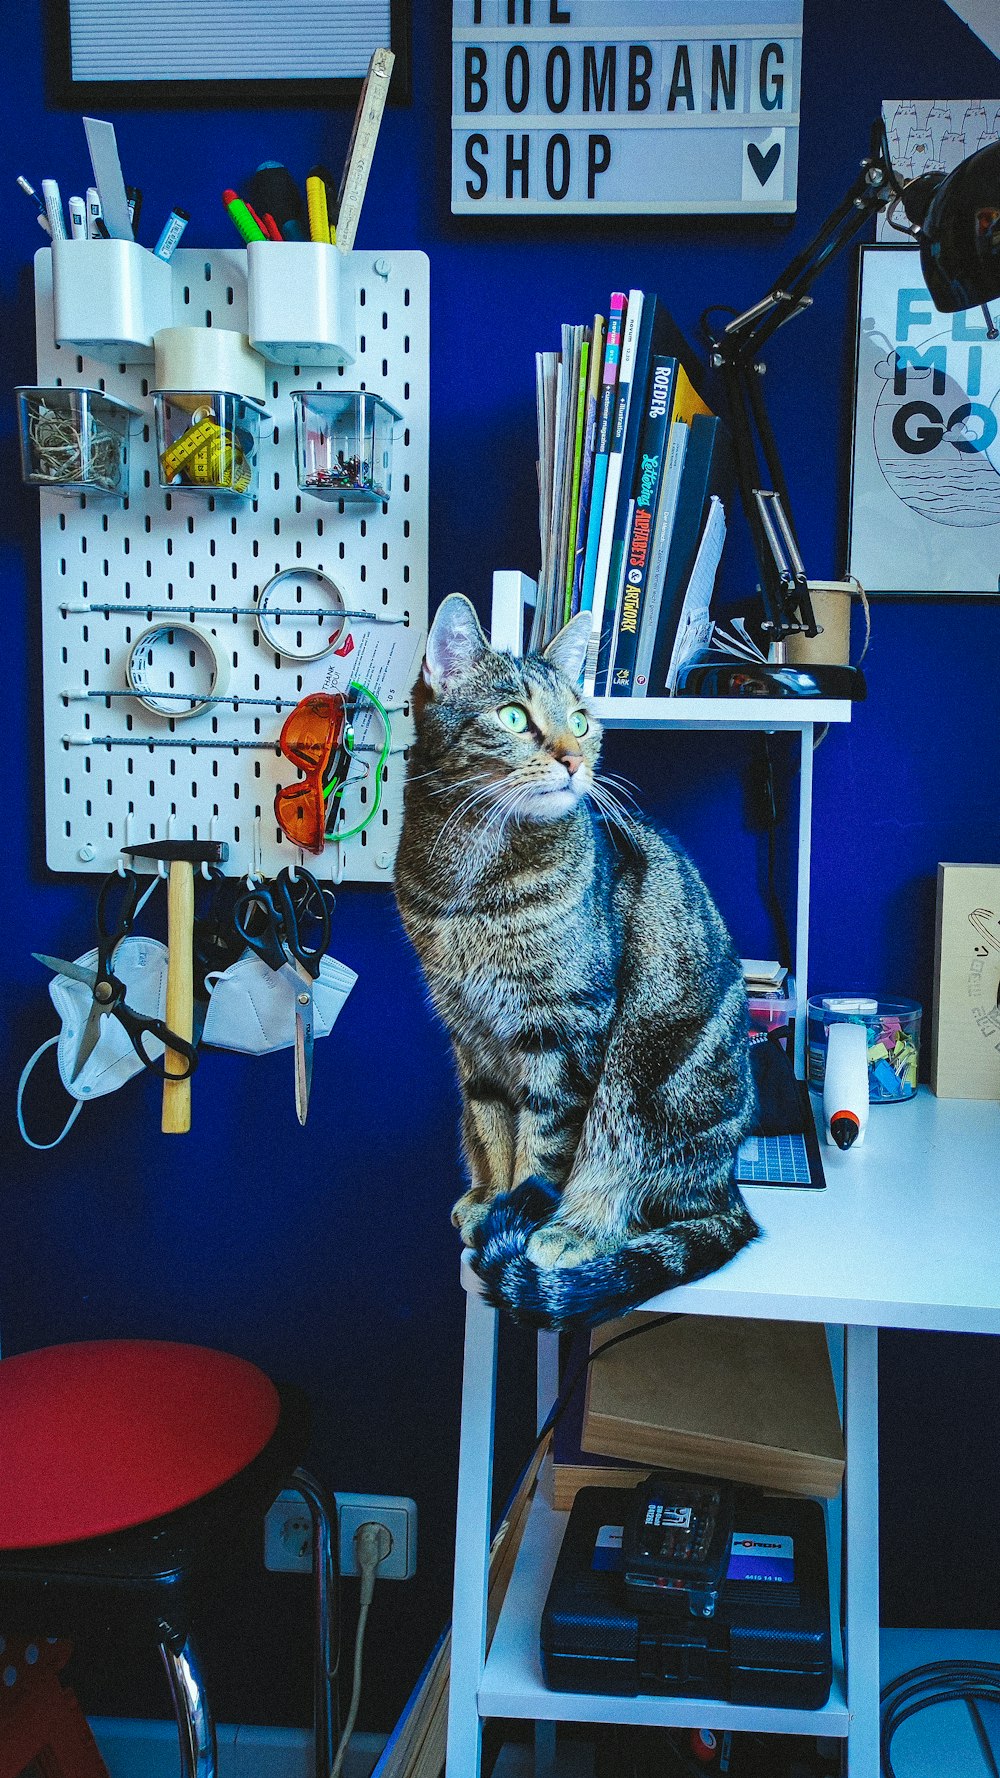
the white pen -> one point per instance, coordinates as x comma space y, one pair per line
94, 212
78, 219
54, 209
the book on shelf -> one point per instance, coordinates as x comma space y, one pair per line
705, 473
595, 373
602, 442
600, 638
655, 334
581, 365
638, 563
751, 1401
639, 522
663, 525
695, 628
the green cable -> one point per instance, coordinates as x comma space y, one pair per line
333, 790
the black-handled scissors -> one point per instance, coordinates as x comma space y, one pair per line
287, 924
116, 906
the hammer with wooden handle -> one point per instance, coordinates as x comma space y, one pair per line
182, 856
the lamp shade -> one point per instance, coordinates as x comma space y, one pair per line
958, 226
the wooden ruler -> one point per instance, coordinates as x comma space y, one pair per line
361, 149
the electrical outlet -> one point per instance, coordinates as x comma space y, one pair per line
397, 1514
288, 1533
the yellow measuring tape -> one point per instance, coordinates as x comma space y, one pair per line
204, 456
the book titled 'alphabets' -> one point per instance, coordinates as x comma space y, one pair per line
648, 473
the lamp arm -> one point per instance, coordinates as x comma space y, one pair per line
734, 353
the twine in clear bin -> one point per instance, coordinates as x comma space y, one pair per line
58, 452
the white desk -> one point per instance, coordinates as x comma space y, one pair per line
906, 1234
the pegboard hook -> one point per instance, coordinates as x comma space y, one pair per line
121, 866
337, 874
213, 835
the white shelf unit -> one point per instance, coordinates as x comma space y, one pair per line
854, 1256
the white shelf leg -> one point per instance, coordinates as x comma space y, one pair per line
802, 897
472, 1536
861, 1629
545, 1749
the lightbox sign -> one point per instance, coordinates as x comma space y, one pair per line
625, 107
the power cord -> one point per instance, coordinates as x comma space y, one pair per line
940, 1682
372, 1544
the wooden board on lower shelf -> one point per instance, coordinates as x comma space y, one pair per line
753, 1401
416, 1748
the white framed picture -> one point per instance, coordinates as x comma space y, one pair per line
925, 468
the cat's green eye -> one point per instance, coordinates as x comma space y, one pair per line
513, 717
578, 724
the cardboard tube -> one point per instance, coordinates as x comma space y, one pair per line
831, 603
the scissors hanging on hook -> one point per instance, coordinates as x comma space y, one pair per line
287, 924
116, 910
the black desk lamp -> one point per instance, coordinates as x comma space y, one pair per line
955, 217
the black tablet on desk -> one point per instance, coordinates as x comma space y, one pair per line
784, 1149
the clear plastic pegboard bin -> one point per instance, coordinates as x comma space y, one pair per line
74, 441
343, 443
208, 440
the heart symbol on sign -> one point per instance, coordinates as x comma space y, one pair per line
763, 164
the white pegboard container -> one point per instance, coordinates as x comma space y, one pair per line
109, 298
118, 773
300, 302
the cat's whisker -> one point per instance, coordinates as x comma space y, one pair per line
483, 793
624, 786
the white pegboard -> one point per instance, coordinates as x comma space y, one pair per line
108, 783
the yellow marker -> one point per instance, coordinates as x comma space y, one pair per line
319, 217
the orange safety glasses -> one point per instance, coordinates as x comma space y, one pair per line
316, 737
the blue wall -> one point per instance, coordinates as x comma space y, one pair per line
328, 1258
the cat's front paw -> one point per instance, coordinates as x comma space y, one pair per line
469, 1213
555, 1245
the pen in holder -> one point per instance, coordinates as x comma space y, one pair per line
74, 441
343, 443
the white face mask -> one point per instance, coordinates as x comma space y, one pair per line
252, 1008
141, 966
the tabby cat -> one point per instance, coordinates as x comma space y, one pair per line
589, 986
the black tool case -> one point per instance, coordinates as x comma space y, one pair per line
768, 1641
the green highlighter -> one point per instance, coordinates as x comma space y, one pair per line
242, 219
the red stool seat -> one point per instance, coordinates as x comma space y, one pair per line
104, 1435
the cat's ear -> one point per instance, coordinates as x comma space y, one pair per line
455, 643
568, 650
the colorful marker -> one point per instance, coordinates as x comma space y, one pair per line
173, 229
242, 219
319, 215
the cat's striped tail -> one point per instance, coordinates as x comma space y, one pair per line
582, 1295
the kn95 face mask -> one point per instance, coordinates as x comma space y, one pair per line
141, 966
251, 1007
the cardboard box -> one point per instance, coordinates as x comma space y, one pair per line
965, 1053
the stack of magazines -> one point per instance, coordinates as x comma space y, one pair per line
630, 463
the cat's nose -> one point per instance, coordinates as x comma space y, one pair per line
572, 762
